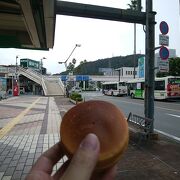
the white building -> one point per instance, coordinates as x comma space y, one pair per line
127, 73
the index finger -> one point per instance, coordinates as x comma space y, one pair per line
49, 158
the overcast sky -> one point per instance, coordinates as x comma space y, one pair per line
100, 38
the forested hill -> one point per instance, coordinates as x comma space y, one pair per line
92, 68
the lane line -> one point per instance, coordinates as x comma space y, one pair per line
168, 135
175, 110
16, 120
173, 115
155, 106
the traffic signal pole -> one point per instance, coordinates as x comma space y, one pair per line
149, 63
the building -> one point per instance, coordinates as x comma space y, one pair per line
108, 71
127, 72
33, 64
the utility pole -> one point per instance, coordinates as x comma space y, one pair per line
149, 63
134, 59
135, 7
16, 68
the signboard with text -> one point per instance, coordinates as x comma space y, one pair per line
82, 78
163, 66
163, 40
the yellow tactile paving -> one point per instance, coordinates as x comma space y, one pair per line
17, 119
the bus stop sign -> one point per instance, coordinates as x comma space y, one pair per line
164, 53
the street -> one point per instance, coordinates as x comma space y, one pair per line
166, 114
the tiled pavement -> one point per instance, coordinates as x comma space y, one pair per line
34, 133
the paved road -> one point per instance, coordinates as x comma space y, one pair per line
166, 114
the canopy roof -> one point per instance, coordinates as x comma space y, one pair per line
27, 24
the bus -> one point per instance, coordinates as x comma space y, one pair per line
114, 88
165, 88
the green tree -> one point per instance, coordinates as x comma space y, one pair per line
174, 66
70, 67
82, 62
133, 5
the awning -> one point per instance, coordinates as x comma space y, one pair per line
27, 24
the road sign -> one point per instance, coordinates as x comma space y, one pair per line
82, 78
163, 40
164, 53
64, 77
79, 78
85, 78
163, 66
164, 28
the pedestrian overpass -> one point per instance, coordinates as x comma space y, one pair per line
50, 86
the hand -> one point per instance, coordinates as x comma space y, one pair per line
79, 168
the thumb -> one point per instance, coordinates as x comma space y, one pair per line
84, 160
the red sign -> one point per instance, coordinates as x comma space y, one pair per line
15, 90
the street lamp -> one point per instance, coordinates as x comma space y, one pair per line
16, 67
65, 62
42, 63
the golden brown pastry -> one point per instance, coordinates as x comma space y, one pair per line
101, 118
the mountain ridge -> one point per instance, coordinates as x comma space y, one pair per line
92, 67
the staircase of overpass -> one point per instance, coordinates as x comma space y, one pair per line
51, 86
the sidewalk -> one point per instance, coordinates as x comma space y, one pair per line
29, 125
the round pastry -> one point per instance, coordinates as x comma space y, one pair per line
101, 118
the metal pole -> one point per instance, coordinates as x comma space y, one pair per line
12, 85
77, 45
41, 66
134, 73
149, 63
16, 68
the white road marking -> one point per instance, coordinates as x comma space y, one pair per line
167, 109
173, 115
168, 135
128, 102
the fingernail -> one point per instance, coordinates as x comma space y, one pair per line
90, 142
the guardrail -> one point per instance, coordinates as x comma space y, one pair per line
141, 124
44, 86
61, 85
35, 77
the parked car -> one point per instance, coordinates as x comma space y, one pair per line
75, 89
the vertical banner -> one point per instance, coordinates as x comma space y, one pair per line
141, 65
